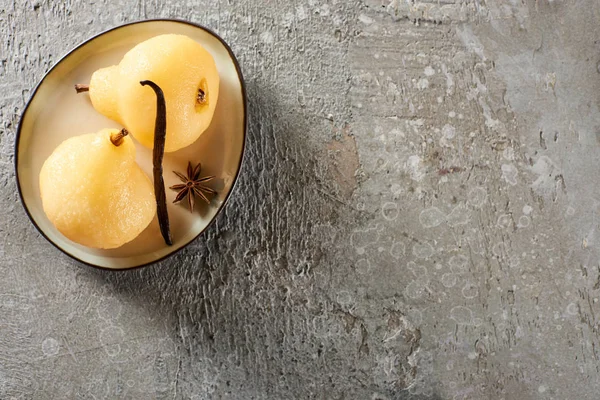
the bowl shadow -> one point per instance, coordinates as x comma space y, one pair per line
253, 293
230, 280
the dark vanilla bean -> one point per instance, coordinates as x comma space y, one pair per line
160, 134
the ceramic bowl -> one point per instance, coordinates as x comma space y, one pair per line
55, 112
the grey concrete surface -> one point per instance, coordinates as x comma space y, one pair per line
417, 217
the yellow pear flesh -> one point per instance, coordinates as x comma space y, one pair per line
185, 71
95, 193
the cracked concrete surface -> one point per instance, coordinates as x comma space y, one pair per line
416, 217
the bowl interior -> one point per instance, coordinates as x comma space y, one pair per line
55, 113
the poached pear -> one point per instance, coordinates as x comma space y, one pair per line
185, 71
94, 192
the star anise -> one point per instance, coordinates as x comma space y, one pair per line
192, 186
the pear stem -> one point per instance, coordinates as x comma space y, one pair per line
117, 138
80, 87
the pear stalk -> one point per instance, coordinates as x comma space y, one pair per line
117, 138
80, 87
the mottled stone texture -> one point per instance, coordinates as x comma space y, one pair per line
417, 215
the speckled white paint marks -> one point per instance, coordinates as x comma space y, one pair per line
287, 20
423, 250
109, 309
449, 80
365, 19
508, 154
429, 71
464, 316
379, 396
344, 298
398, 249
414, 290
431, 217
458, 263
448, 132
416, 124
50, 347
396, 190
504, 221
524, 221
419, 271
363, 266
361, 238
514, 261
267, 37
390, 211
549, 177
471, 41
414, 168
422, 84
415, 316
499, 249
111, 338
417, 287
470, 291
324, 10
459, 215
477, 197
509, 174
449, 280
301, 13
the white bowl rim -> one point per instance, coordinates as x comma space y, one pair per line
240, 161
